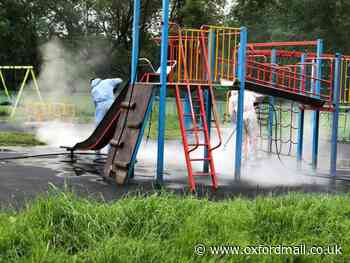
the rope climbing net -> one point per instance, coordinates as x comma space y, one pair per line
284, 128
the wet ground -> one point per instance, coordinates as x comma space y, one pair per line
25, 178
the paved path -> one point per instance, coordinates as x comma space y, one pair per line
22, 180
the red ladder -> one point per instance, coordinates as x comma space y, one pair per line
191, 148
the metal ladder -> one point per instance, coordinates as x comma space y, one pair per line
199, 133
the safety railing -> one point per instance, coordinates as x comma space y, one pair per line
40, 112
345, 81
204, 55
298, 79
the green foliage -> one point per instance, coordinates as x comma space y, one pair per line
195, 13
295, 20
102, 30
165, 228
18, 45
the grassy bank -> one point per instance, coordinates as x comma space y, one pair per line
18, 139
63, 228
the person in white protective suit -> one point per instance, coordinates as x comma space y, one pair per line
102, 92
250, 120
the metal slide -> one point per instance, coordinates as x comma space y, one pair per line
105, 130
122, 127
135, 110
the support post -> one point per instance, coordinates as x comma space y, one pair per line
271, 104
36, 86
19, 95
162, 93
135, 58
316, 113
135, 40
208, 99
2, 78
240, 106
301, 117
335, 120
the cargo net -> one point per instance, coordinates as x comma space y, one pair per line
284, 128
343, 124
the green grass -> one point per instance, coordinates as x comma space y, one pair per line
18, 139
4, 111
172, 130
64, 228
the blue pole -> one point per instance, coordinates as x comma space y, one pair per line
316, 113
135, 40
135, 55
139, 138
187, 112
301, 118
208, 99
319, 66
272, 103
162, 93
335, 121
241, 77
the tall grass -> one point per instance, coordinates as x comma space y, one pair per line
64, 228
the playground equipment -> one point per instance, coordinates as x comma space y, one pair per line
28, 71
195, 62
41, 111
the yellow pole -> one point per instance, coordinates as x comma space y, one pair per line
20, 93
185, 59
217, 55
343, 97
234, 58
179, 58
191, 54
197, 56
36, 87
4, 84
229, 57
222, 54
347, 87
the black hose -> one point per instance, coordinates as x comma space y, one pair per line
46, 155
149, 127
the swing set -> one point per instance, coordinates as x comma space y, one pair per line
29, 71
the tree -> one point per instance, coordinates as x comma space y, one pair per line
18, 34
195, 13
295, 20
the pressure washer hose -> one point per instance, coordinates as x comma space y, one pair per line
47, 155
